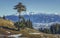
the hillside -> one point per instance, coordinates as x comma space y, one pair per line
37, 34
25, 32
7, 23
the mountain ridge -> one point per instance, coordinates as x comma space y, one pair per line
37, 18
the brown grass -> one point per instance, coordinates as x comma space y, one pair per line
7, 23
26, 33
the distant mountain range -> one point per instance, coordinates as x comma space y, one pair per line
37, 18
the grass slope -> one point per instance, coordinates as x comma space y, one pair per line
7, 23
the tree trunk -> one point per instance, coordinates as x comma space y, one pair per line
19, 22
19, 18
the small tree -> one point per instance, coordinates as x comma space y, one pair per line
4, 17
22, 25
55, 28
20, 8
29, 24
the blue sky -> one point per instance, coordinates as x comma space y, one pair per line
36, 6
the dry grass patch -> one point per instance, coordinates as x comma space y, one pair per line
7, 23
